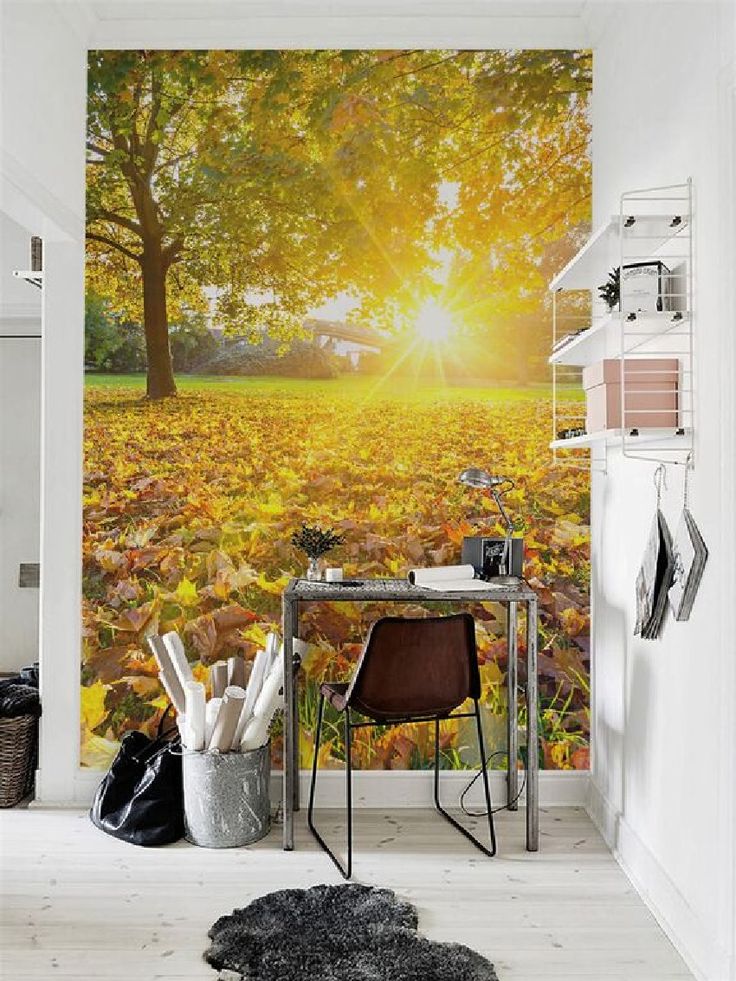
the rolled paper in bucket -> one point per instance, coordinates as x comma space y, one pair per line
175, 650
195, 713
226, 722
167, 673
236, 671
218, 678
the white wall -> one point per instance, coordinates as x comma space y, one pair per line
664, 729
42, 135
20, 433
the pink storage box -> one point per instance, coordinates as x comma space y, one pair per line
651, 394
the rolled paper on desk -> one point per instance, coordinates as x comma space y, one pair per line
449, 578
227, 719
210, 717
195, 712
168, 676
218, 678
175, 650
440, 573
236, 672
251, 694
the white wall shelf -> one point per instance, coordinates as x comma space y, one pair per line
669, 440
643, 330
601, 252
653, 224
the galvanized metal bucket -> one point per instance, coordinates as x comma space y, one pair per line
226, 797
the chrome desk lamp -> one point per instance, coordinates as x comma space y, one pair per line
474, 477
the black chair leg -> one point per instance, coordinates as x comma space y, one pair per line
345, 872
349, 791
486, 788
313, 782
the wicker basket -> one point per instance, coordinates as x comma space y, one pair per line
18, 745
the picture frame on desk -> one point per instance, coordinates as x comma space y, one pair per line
486, 553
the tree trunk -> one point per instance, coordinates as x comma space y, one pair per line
160, 380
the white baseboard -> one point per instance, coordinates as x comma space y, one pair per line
688, 933
387, 789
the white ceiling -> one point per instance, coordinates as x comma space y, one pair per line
106, 10
330, 23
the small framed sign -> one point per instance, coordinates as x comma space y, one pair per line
486, 556
643, 287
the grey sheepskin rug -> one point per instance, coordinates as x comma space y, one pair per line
336, 933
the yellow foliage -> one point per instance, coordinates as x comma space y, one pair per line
97, 752
186, 593
92, 704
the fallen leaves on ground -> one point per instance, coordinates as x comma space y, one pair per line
189, 509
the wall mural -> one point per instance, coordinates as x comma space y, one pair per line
346, 255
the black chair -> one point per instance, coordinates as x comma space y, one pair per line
411, 670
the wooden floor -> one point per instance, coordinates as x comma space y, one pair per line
77, 904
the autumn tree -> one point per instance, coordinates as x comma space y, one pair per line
284, 178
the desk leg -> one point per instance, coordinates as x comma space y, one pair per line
532, 695
296, 728
512, 671
288, 617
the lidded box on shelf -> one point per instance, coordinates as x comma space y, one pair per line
651, 394
644, 287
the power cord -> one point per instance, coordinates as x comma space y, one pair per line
494, 810
468, 788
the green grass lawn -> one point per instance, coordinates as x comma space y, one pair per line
358, 387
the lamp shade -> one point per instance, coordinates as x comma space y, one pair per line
474, 477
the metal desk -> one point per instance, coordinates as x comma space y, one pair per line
401, 591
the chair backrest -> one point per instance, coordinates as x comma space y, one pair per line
416, 667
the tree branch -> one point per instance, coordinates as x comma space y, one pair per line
150, 149
432, 64
172, 252
121, 220
547, 170
172, 161
95, 237
563, 214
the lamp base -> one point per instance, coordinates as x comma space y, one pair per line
504, 580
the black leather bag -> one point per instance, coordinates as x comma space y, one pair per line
140, 799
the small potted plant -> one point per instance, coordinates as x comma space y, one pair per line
610, 291
315, 542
